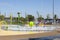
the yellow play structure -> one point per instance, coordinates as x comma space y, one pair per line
3, 23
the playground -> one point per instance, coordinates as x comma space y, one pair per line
20, 31
31, 26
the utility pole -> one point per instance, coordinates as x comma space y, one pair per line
53, 13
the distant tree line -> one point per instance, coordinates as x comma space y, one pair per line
29, 18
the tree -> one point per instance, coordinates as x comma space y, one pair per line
55, 17
30, 18
40, 18
15, 20
2, 17
22, 20
48, 16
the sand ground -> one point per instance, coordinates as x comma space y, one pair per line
17, 35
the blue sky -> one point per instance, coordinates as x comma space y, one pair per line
44, 7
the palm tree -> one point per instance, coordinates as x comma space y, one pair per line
55, 18
18, 17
